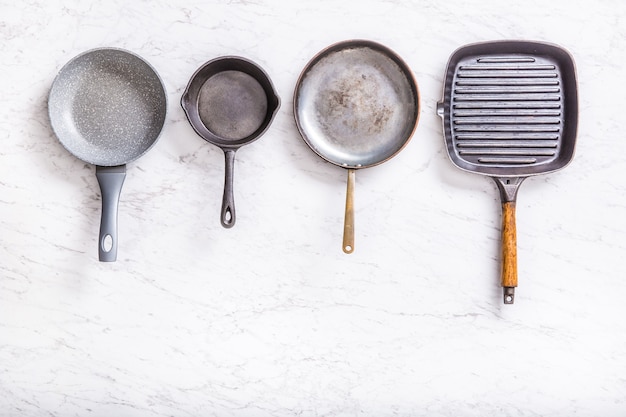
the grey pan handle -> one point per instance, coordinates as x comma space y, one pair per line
110, 180
228, 201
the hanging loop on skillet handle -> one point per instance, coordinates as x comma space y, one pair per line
348, 224
110, 180
228, 200
508, 195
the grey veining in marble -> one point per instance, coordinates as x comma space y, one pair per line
270, 318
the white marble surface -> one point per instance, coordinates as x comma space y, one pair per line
270, 318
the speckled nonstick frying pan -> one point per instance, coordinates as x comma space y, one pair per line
510, 111
356, 105
230, 102
107, 106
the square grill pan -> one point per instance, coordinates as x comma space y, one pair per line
510, 110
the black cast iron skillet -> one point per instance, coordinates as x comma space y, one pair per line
107, 107
356, 105
230, 102
510, 111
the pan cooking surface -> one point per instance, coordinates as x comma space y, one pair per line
507, 110
356, 107
232, 104
510, 108
107, 107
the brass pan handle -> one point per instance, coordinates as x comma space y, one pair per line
348, 224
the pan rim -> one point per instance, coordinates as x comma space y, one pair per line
82, 55
356, 43
443, 104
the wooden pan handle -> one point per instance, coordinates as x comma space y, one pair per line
509, 251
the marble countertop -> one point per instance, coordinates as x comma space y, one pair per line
271, 318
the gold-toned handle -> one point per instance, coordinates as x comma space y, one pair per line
509, 251
348, 224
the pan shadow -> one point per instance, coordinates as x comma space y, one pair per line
299, 156
56, 164
463, 182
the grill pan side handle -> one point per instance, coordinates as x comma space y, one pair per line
508, 188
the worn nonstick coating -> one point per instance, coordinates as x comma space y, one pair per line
230, 102
510, 110
356, 105
107, 106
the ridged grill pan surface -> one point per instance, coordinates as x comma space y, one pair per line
510, 108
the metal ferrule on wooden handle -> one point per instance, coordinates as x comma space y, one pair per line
509, 251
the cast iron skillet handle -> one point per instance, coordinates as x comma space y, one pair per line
348, 224
110, 180
508, 194
228, 201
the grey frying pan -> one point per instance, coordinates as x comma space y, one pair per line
356, 105
230, 102
510, 111
107, 107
